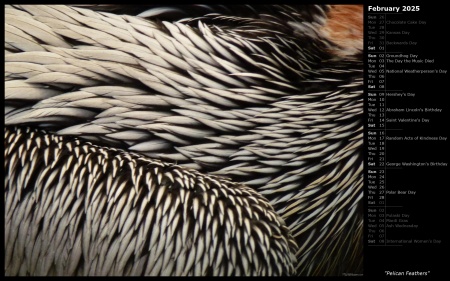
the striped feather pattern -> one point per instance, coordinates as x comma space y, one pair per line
263, 98
77, 208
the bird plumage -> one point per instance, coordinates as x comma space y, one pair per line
268, 100
77, 208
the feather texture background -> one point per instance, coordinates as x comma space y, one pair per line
266, 98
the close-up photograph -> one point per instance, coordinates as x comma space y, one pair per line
191, 140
